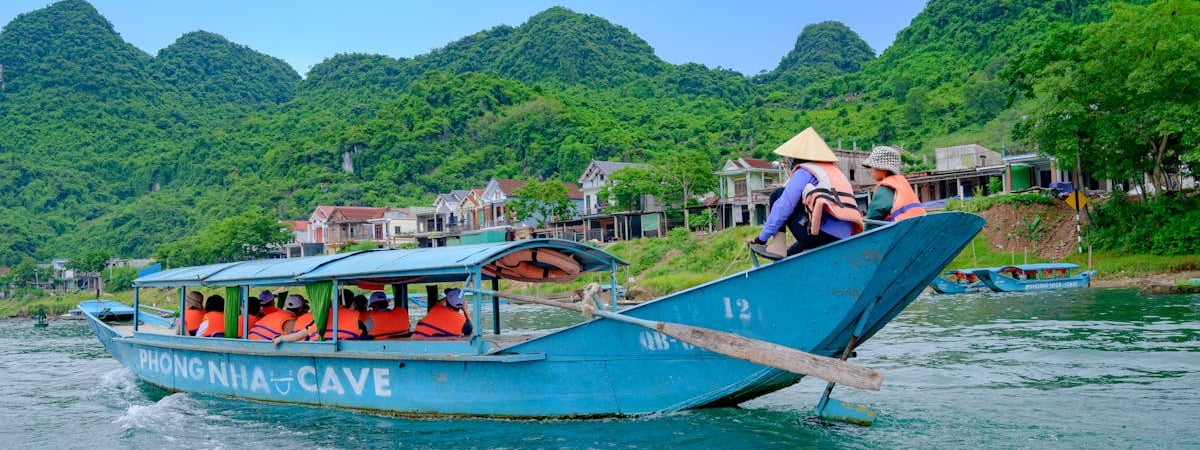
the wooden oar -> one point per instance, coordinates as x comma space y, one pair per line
729, 344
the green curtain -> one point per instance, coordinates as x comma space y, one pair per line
233, 306
319, 297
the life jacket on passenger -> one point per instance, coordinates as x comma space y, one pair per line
268, 309
389, 324
831, 195
271, 325
191, 320
216, 324
441, 321
241, 317
347, 326
905, 204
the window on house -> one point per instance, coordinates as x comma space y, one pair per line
739, 188
852, 178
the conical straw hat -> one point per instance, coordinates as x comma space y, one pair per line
808, 146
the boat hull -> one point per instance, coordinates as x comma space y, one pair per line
1000, 283
943, 286
814, 302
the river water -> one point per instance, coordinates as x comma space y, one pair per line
1092, 368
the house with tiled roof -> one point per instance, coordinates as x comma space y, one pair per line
605, 220
334, 227
740, 186
499, 192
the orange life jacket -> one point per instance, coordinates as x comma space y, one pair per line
267, 310
442, 321
270, 326
905, 204
216, 324
242, 331
191, 320
347, 326
831, 195
389, 324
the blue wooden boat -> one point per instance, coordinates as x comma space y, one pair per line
1036, 277
959, 281
822, 301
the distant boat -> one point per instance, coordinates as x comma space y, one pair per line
1035, 277
959, 281
819, 304
39, 318
107, 310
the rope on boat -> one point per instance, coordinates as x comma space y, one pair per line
589, 299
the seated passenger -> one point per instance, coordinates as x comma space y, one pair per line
384, 323
266, 300
280, 323
214, 317
253, 309
193, 314
893, 199
445, 319
816, 204
349, 325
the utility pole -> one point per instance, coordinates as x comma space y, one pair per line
1078, 201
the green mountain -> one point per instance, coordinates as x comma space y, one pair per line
109, 148
823, 50
215, 71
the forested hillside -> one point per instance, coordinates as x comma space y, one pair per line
110, 148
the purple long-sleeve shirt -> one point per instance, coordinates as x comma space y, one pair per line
793, 192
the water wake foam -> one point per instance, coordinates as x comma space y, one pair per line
169, 413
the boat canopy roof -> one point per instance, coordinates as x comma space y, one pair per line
426, 265
1043, 266
968, 270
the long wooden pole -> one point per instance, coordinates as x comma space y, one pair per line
741, 347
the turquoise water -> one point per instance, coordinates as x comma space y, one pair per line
1095, 368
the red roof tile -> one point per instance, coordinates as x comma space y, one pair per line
508, 185
758, 163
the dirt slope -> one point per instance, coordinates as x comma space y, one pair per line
1008, 225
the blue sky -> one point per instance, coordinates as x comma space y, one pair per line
748, 36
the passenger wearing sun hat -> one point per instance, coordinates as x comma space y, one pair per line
193, 313
384, 323
816, 205
445, 319
266, 300
893, 199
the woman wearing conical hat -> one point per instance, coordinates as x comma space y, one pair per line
893, 199
817, 204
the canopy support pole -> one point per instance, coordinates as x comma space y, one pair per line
495, 306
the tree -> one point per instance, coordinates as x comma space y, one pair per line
629, 184
1124, 98
542, 201
246, 236
685, 174
91, 262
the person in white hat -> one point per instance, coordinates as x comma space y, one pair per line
817, 204
893, 199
